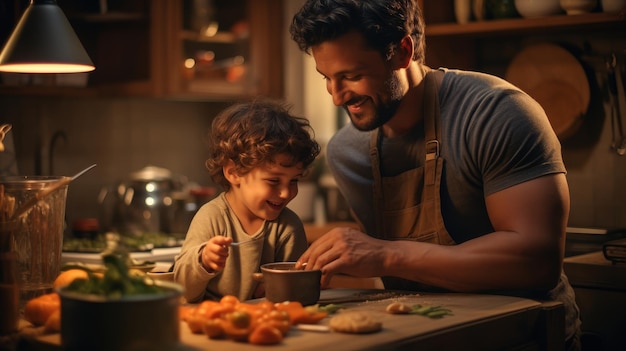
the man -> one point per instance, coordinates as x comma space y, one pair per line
455, 177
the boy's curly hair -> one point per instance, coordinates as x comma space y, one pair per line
254, 133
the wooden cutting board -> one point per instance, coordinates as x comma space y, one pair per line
483, 321
557, 80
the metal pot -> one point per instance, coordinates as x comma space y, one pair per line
284, 283
136, 322
146, 202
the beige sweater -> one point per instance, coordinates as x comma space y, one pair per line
280, 240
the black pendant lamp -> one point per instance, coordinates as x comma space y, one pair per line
44, 42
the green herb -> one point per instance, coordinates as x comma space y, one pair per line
331, 308
430, 311
115, 282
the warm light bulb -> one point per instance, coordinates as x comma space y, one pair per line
45, 68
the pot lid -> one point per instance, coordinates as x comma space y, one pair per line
152, 173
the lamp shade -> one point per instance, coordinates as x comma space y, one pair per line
44, 42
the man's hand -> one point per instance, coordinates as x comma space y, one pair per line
344, 250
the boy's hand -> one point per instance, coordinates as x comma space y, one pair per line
215, 253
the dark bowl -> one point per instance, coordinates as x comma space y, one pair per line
130, 323
284, 283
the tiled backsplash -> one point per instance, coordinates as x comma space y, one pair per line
119, 135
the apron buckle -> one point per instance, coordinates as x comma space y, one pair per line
432, 149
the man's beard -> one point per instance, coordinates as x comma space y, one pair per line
385, 110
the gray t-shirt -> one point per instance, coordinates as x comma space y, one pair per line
493, 136
280, 240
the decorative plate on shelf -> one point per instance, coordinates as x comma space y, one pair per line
557, 80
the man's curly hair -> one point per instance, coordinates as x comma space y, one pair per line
252, 134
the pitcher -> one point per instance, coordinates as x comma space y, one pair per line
38, 235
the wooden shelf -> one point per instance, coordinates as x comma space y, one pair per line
520, 25
219, 37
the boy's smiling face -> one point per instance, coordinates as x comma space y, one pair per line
265, 191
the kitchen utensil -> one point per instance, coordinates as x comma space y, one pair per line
40, 195
618, 141
4, 129
557, 80
37, 233
284, 283
236, 244
148, 202
346, 295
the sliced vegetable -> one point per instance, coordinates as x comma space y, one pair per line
300, 314
331, 308
265, 334
430, 311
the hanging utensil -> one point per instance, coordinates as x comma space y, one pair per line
40, 195
618, 142
4, 129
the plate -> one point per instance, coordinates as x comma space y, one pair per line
556, 80
144, 267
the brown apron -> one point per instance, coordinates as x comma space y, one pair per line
409, 204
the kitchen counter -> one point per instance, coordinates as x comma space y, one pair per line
481, 322
600, 288
594, 270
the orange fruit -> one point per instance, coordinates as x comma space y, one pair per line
68, 276
38, 310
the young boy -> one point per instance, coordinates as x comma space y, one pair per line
258, 152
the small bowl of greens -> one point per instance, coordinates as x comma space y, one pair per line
119, 310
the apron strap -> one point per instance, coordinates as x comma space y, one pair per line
431, 119
378, 181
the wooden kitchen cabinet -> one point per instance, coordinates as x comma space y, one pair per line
235, 51
141, 47
466, 46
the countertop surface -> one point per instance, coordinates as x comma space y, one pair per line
595, 271
481, 322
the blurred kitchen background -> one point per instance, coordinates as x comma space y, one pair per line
165, 68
